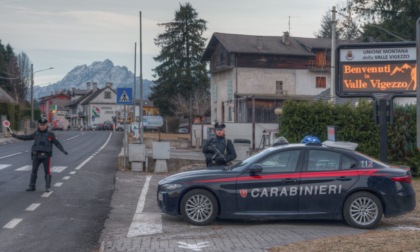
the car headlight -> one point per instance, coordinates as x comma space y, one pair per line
171, 187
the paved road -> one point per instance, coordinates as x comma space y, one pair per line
71, 216
135, 224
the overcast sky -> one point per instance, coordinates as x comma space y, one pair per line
66, 34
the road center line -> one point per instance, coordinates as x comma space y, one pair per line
13, 223
89, 158
11, 155
33, 206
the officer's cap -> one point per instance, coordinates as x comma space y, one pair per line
219, 126
42, 121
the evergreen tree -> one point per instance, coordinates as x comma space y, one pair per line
14, 73
181, 70
387, 20
346, 26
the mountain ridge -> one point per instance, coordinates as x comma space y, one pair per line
100, 72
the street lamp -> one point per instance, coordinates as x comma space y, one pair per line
32, 88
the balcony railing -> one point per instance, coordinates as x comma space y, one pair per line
319, 66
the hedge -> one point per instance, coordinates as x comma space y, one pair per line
354, 124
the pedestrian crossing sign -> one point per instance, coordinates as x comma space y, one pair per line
124, 96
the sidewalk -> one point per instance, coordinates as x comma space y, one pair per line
5, 140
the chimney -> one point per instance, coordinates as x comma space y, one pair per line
109, 84
286, 38
88, 86
94, 86
259, 43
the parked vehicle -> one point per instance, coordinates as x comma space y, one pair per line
182, 130
108, 125
292, 181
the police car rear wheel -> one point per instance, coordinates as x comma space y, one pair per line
363, 210
199, 207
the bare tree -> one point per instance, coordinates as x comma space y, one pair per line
199, 103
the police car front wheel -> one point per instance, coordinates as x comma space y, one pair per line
363, 210
199, 207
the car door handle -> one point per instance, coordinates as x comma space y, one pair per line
290, 180
343, 178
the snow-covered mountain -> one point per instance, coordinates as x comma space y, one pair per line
99, 72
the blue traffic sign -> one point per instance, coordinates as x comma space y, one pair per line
124, 96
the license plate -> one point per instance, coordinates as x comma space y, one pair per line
160, 197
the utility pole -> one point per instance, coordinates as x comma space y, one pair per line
135, 91
141, 90
32, 94
333, 42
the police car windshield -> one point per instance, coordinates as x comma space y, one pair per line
252, 159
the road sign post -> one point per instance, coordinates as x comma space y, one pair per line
125, 97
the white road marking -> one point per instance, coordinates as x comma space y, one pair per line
55, 169
73, 137
58, 168
66, 177
145, 223
194, 247
46, 194
25, 168
2, 166
58, 184
33, 206
89, 158
13, 223
11, 155
73, 172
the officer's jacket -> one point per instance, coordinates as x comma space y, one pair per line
44, 141
224, 146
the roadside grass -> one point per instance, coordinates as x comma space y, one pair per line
394, 234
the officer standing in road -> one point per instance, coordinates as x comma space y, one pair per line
219, 150
41, 152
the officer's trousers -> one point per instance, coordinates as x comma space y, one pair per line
45, 162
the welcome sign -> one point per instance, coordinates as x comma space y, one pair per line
376, 68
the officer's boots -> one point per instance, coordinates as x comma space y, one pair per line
47, 182
32, 183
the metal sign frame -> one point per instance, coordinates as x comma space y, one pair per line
365, 69
125, 96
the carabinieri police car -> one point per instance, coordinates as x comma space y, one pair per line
292, 181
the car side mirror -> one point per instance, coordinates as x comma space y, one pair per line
255, 168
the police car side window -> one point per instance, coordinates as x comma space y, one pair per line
348, 163
285, 161
320, 160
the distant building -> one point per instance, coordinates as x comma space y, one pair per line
53, 108
98, 105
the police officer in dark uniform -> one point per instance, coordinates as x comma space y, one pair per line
41, 152
219, 150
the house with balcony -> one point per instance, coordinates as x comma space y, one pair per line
252, 76
97, 105
92, 106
